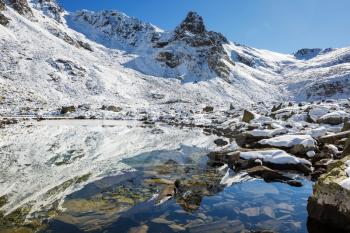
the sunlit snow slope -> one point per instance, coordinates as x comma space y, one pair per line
50, 58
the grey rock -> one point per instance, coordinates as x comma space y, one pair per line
67, 109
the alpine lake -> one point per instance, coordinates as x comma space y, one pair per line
110, 176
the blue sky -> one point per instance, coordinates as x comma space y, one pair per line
278, 25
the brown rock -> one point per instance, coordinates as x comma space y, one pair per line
270, 175
248, 116
346, 151
334, 138
346, 126
4, 21
224, 157
2, 5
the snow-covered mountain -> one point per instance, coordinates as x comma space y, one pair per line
51, 58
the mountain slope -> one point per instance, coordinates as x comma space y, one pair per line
51, 58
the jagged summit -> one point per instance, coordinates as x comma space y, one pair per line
193, 23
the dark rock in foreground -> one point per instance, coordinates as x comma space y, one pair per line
330, 203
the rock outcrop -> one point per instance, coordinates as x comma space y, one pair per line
50, 8
114, 29
3, 19
208, 44
2, 5
307, 53
22, 7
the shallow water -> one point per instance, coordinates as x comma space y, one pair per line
91, 178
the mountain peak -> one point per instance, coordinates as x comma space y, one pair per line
192, 23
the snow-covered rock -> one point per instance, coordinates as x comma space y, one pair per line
273, 156
289, 141
334, 118
318, 132
50, 8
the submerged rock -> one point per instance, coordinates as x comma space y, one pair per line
270, 175
330, 203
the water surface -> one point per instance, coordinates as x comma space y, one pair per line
126, 177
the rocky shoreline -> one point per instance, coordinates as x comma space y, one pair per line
310, 139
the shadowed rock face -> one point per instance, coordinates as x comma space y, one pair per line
2, 5
22, 7
3, 19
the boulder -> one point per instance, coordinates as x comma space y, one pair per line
247, 139
295, 144
333, 118
208, 109
270, 175
224, 157
334, 138
272, 158
248, 116
67, 109
330, 202
111, 108
220, 142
